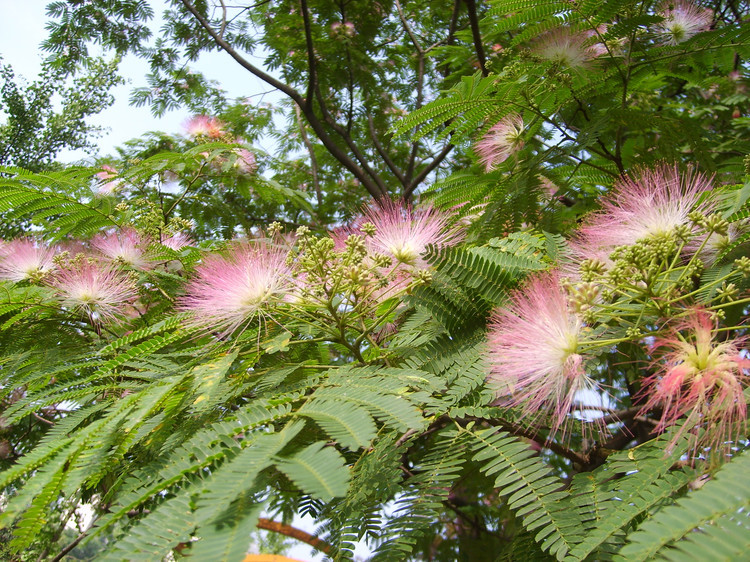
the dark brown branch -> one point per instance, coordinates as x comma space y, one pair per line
383, 153
454, 23
288, 90
477, 36
41, 419
223, 27
372, 187
312, 83
374, 177
407, 28
519, 431
419, 178
68, 548
311, 152
293, 532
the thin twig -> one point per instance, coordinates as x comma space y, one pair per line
295, 533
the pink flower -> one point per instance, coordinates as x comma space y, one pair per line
24, 260
533, 343
716, 243
229, 291
177, 241
569, 48
701, 379
99, 292
404, 233
654, 203
107, 173
502, 140
105, 187
205, 126
245, 162
682, 20
345, 29
126, 246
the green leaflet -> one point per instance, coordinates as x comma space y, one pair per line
317, 470
718, 510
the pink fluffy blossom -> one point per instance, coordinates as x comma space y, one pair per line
345, 29
104, 186
205, 126
501, 141
100, 292
177, 241
654, 202
682, 20
245, 162
533, 349
231, 290
569, 48
404, 233
23, 260
701, 379
126, 246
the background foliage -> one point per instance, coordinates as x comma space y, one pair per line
368, 410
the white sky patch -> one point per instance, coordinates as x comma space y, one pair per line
20, 48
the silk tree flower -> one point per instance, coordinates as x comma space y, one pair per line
245, 161
177, 241
126, 246
404, 233
573, 49
100, 292
682, 20
501, 141
699, 378
105, 187
205, 126
654, 203
717, 243
232, 289
25, 260
533, 351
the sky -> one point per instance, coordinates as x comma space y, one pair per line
20, 40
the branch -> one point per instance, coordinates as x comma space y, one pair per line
383, 153
519, 431
372, 187
288, 90
311, 152
477, 36
299, 534
312, 83
407, 28
419, 178
69, 547
223, 27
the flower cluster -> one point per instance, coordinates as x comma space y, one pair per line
95, 279
100, 291
126, 246
633, 266
681, 20
569, 48
106, 183
502, 140
403, 233
231, 289
25, 260
699, 378
205, 126
345, 275
534, 351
